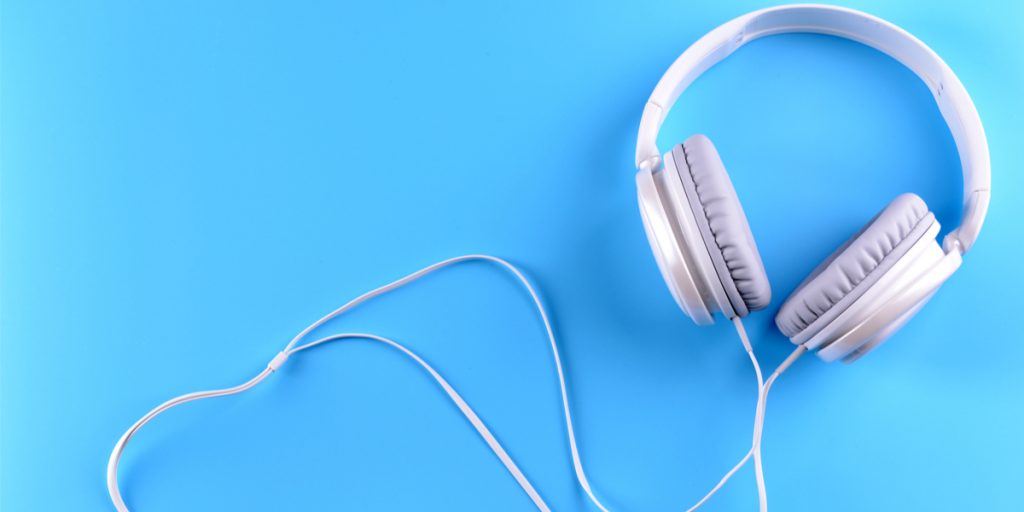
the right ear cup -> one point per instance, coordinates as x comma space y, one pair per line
725, 235
864, 260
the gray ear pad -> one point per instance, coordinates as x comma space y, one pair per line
723, 225
845, 275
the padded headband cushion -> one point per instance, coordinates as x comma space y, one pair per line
844, 276
723, 225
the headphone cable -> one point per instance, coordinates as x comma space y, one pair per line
762, 397
294, 347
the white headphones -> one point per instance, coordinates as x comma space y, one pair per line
699, 234
872, 284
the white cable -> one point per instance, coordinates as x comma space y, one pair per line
115, 455
762, 495
281, 358
722, 482
755, 447
762, 404
745, 340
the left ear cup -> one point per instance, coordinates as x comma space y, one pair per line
868, 258
699, 234
723, 226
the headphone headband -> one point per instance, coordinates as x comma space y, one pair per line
950, 95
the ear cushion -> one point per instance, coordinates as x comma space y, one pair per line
845, 275
723, 225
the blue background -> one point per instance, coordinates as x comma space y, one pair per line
186, 185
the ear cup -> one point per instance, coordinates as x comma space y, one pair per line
856, 265
723, 225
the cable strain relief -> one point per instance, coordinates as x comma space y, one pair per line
277, 361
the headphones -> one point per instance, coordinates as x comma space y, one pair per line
872, 284
851, 303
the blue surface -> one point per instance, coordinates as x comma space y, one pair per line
187, 185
